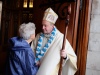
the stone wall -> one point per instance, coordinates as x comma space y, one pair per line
93, 56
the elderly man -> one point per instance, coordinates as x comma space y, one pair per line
47, 46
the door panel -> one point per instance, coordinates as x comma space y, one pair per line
60, 8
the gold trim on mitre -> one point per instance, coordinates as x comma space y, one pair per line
50, 15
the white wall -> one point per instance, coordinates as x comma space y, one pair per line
93, 57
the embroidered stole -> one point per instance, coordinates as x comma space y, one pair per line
41, 51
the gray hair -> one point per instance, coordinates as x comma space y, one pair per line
26, 30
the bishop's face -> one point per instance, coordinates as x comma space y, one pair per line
47, 27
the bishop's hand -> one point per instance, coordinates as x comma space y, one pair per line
63, 53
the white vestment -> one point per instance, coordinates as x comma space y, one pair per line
50, 61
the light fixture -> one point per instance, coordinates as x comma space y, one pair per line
0, 13
28, 2
31, 4
25, 4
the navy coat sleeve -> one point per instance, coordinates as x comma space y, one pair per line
28, 63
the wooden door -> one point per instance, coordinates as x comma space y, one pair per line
59, 6
78, 29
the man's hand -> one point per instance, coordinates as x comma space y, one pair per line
63, 53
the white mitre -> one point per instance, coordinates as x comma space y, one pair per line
50, 16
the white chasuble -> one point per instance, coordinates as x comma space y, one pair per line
50, 61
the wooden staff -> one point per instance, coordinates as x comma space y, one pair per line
65, 34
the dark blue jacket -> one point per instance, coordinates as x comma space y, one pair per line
21, 60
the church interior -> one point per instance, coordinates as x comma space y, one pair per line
15, 12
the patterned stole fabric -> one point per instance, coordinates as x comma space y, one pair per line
41, 51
